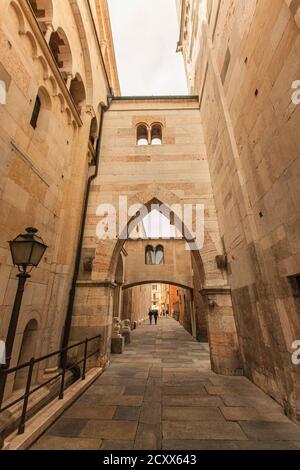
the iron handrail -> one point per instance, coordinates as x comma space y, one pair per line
30, 365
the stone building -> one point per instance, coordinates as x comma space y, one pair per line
73, 150
129, 169
58, 66
242, 59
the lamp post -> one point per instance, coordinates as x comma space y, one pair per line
27, 250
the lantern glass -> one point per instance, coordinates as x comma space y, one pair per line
38, 250
27, 249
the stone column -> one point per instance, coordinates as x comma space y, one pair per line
222, 335
117, 300
93, 314
49, 31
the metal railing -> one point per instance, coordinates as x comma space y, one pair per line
60, 375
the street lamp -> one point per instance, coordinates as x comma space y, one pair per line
27, 251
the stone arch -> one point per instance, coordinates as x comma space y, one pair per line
19, 15
149, 255
45, 97
142, 134
53, 85
85, 48
61, 102
159, 254
169, 200
156, 133
40, 115
33, 44
27, 351
157, 281
61, 51
78, 93
69, 115
44, 65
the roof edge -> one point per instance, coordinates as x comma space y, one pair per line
162, 97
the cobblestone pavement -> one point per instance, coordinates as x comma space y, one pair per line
161, 394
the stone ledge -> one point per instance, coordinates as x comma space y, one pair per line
37, 425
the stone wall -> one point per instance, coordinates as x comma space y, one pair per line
242, 58
136, 303
175, 172
44, 170
177, 266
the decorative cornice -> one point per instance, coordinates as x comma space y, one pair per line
92, 284
50, 59
216, 290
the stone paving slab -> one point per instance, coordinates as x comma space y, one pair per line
121, 430
184, 413
61, 443
162, 394
199, 430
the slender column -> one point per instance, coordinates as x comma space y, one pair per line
49, 31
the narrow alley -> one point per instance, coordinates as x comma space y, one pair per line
162, 394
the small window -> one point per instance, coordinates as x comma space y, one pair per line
35, 113
142, 135
156, 134
159, 255
295, 285
149, 255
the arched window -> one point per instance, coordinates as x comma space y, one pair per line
149, 255
40, 114
159, 255
156, 134
60, 48
43, 10
142, 135
36, 112
77, 91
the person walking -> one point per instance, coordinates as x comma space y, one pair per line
150, 316
155, 316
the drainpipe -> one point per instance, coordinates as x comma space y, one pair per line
69, 314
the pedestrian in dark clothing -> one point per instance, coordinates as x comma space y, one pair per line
150, 316
155, 316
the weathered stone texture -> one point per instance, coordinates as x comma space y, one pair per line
245, 58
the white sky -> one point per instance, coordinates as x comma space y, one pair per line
158, 226
145, 37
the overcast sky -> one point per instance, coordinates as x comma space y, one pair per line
145, 36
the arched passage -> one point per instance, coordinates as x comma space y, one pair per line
176, 221
139, 181
60, 48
